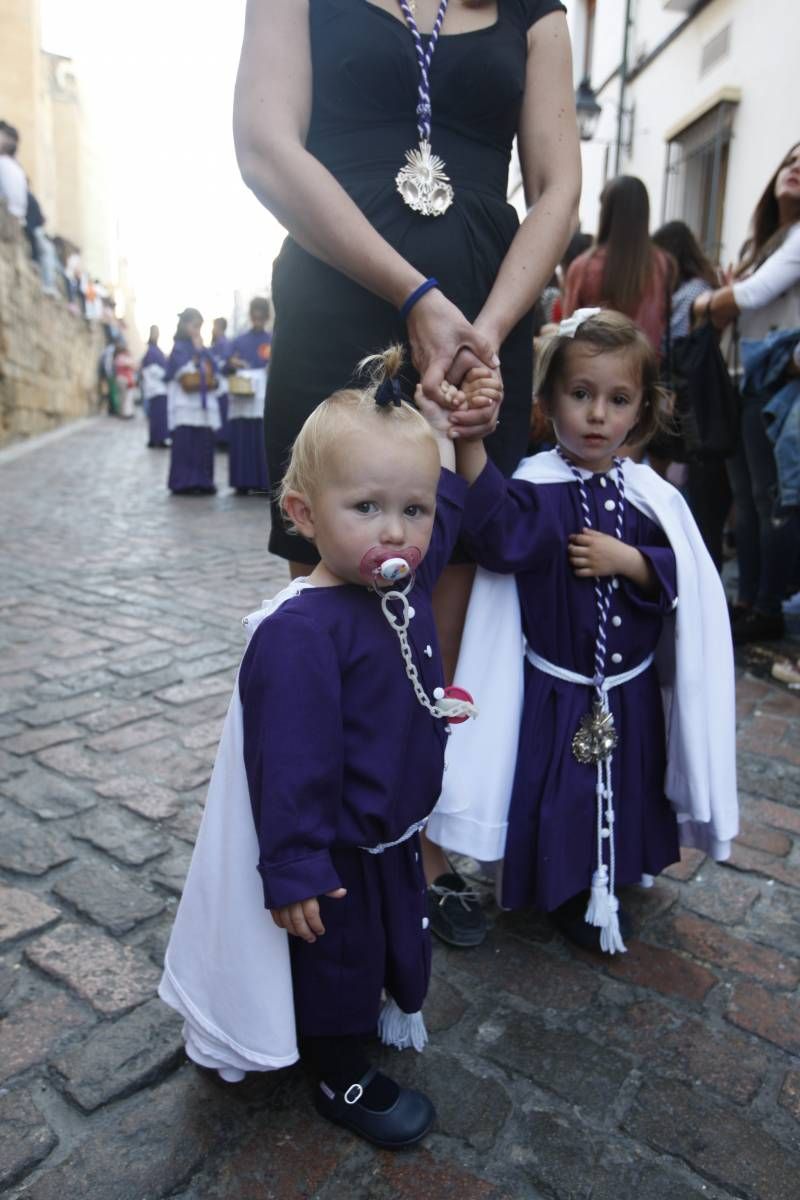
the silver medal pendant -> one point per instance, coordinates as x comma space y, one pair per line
595, 738
423, 183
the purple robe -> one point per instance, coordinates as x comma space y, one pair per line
154, 354
253, 347
247, 458
514, 526
340, 755
191, 468
157, 405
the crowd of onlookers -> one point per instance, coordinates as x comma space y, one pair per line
57, 259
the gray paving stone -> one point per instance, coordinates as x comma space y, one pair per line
22, 913
50, 712
469, 1105
574, 1067
25, 1137
111, 977
717, 1142
141, 795
125, 737
28, 847
32, 1030
48, 796
148, 1149
121, 1057
120, 835
171, 870
116, 713
108, 897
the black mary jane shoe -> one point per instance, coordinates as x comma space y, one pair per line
403, 1124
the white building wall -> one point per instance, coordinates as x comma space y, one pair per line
761, 63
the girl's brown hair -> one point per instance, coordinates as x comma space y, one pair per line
766, 231
605, 333
624, 235
346, 409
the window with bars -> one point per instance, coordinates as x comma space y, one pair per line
696, 176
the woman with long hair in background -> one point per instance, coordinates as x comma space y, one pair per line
763, 297
624, 270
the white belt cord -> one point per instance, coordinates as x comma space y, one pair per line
603, 902
417, 827
605, 685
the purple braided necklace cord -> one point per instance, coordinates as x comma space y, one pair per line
424, 58
603, 591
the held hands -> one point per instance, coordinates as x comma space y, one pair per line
302, 919
469, 412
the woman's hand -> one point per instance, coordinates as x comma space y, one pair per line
439, 336
302, 919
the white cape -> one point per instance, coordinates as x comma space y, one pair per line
227, 969
694, 660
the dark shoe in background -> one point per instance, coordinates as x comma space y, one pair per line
757, 626
455, 912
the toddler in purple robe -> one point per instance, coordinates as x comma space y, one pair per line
345, 724
575, 802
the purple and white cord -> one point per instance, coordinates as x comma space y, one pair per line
603, 907
424, 58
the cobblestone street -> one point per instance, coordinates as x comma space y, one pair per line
668, 1073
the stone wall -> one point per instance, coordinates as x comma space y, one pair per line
48, 354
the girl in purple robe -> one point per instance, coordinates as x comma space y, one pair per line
338, 724
587, 550
152, 371
249, 362
192, 410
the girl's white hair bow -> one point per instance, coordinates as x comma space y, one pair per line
570, 325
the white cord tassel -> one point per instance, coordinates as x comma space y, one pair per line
598, 911
401, 1030
610, 936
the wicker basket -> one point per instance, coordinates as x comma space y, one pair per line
240, 385
190, 381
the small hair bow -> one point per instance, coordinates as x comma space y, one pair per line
389, 393
570, 325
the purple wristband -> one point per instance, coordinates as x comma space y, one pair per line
417, 294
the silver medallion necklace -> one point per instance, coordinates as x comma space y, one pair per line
422, 182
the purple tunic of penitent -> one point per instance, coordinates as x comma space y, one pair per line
520, 527
341, 755
247, 450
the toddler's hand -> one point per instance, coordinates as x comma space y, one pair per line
481, 387
302, 919
437, 413
479, 416
592, 554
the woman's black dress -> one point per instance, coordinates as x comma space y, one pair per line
363, 121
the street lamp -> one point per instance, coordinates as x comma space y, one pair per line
587, 109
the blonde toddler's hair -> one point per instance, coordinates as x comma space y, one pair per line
347, 409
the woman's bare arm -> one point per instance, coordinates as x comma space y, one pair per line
272, 110
551, 170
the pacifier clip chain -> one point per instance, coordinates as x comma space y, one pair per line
452, 704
